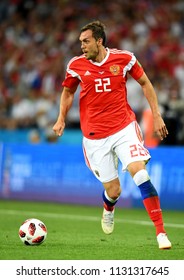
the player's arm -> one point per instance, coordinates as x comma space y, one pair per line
66, 101
150, 94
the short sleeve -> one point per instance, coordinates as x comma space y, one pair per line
70, 82
136, 71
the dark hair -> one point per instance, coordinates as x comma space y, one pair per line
97, 28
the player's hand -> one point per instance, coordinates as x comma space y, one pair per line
59, 127
160, 128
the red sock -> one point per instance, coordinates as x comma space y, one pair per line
152, 205
108, 208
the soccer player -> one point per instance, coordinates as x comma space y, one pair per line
109, 126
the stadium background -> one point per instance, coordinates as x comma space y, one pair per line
37, 38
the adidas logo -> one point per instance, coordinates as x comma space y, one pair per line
87, 73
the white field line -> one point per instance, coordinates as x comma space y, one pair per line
82, 218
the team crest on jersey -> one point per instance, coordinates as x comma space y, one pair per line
115, 69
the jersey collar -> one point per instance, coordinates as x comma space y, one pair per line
103, 61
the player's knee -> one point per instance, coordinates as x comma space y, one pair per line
135, 167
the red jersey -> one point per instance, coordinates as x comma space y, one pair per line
104, 109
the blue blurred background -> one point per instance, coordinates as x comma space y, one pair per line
37, 39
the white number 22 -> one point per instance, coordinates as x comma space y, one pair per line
101, 85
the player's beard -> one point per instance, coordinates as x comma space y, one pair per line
93, 55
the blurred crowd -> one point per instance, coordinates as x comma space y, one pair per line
38, 37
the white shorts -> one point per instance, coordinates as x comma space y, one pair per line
101, 156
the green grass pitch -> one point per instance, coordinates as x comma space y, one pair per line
74, 233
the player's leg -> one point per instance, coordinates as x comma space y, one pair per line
131, 151
111, 194
102, 161
151, 200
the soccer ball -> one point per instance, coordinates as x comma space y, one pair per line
33, 232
